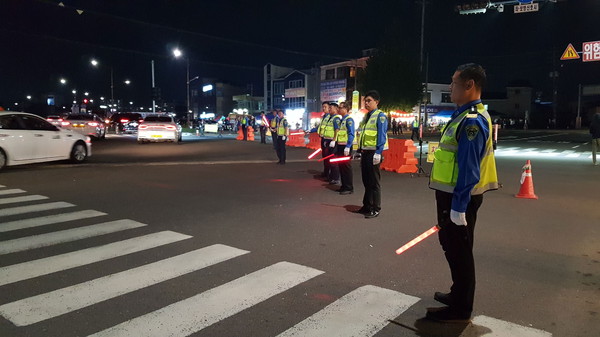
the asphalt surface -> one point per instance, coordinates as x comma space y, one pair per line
537, 261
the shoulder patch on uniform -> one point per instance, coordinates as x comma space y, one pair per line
349, 122
382, 119
472, 131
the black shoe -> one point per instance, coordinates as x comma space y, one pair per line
443, 298
346, 192
447, 315
362, 210
372, 214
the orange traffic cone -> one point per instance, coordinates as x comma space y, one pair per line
526, 190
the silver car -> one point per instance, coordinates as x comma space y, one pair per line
85, 124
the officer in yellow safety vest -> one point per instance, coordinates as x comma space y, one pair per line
329, 132
324, 149
273, 127
371, 143
282, 134
415, 129
463, 169
344, 138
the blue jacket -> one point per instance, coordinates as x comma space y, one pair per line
351, 129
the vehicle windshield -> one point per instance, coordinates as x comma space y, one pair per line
161, 119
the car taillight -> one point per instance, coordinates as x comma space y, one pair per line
124, 120
170, 127
143, 127
64, 123
107, 121
93, 124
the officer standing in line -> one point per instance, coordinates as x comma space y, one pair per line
331, 129
464, 168
244, 125
272, 118
262, 128
372, 141
345, 139
415, 128
320, 131
283, 130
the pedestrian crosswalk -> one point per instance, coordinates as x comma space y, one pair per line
362, 312
534, 152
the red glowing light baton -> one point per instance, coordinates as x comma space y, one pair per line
297, 133
265, 121
312, 155
325, 158
418, 239
336, 160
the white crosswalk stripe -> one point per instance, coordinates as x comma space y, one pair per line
11, 191
198, 312
45, 306
498, 328
31, 269
14, 200
535, 153
34, 208
363, 312
43, 240
48, 220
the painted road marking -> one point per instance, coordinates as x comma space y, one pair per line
501, 328
34, 208
55, 303
43, 240
48, 220
198, 312
363, 312
45, 266
13, 191
13, 200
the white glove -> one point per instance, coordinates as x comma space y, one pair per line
346, 151
459, 218
283, 137
376, 159
332, 144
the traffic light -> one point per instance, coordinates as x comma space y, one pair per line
86, 101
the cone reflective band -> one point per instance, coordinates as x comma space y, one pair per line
418, 239
337, 160
325, 158
312, 155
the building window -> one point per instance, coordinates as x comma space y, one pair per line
343, 72
446, 97
330, 74
296, 84
278, 88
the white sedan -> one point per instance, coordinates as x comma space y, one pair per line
86, 124
26, 138
159, 128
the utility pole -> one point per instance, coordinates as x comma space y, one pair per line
153, 89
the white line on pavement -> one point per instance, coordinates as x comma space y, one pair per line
48, 220
13, 200
13, 191
34, 208
43, 240
363, 312
501, 328
55, 303
198, 312
45, 266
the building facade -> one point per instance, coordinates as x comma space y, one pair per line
213, 97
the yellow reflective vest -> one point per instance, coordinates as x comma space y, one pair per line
322, 125
281, 127
328, 130
342, 136
444, 173
368, 132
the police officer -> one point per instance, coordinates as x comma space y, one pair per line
372, 141
464, 168
344, 139
272, 118
415, 129
282, 134
320, 131
262, 128
331, 129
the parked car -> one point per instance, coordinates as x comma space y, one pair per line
125, 122
26, 138
159, 128
85, 124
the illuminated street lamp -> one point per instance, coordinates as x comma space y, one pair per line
177, 53
29, 97
63, 81
86, 93
128, 82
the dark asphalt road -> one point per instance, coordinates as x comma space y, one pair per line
538, 261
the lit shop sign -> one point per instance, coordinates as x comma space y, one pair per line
295, 92
207, 87
331, 91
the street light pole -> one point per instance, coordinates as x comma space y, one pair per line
189, 114
153, 89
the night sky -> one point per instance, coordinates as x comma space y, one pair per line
232, 40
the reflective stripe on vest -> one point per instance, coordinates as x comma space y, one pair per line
322, 125
328, 130
281, 127
368, 133
444, 173
342, 136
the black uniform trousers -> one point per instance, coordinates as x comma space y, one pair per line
345, 168
370, 178
415, 133
263, 134
334, 171
457, 243
245, 132
281, 149
326, 164
274, 137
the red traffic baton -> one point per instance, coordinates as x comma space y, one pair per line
418, 239
312, 155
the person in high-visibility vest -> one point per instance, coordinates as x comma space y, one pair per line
272, 118
329, 133
464, 168
345, 139
371, 143
415, 128
320, 131
244, 125
283, 130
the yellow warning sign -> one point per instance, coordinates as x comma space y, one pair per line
569, 54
